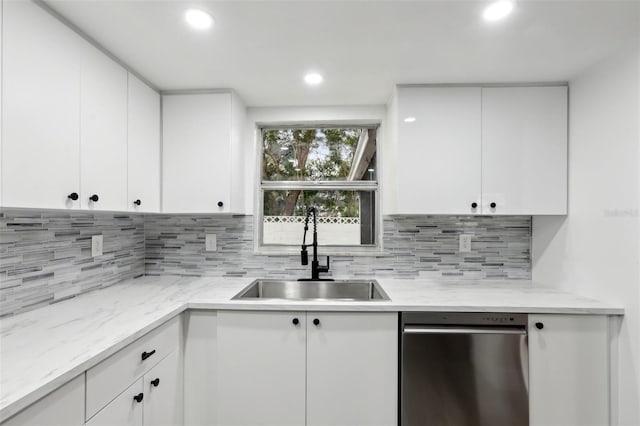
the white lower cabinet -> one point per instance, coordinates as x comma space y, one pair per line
162, 403
141, 384
200, 366
261, 368
315, 368
352, 361
568, 370
62, 407
125, 410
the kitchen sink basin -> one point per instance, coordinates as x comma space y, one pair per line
347, 290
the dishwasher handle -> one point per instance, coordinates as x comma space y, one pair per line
430, 329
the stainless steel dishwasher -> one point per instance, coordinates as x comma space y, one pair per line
460, 369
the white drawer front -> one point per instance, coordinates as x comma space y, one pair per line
108, 379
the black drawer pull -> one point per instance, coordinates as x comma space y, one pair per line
139, 397
146, 355
155, 382
539, 325
73, 196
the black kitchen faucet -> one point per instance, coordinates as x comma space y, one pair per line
316, 269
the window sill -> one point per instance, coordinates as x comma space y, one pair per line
323, 251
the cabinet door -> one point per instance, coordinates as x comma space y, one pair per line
143, 143
163, 392
62, 407
122, 411
568, 371
439, 154
200, 364
352, 365
103, 123
41, 109
196, 156
524, 150
261, 368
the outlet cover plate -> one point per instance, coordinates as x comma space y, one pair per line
210, 242
465, 243
96, 245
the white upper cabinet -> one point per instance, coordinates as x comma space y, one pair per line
41, 109
197, 153
103, 135
492, 151
524, 150
439, 150
143, 133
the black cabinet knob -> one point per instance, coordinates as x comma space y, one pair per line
146, 355
138, 397
295, 321
220, 204
137, 202
155, 382
474, 205
73, 196
316, 321
492, 205
94, 198
539, 325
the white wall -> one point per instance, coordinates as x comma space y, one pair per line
368, 114
595, 250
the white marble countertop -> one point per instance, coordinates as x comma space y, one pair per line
42, 349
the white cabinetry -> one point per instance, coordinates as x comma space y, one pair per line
41, 109
162, 405
261, 364
143, 157
502, 148
524, 150
133, 371
200, 366
568, 370
199, 158
124, 410
62, 407
66, 116
296, 368
351, 368
438, 161
103, 135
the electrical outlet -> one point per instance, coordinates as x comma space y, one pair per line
465, 243
96, 245
210, 242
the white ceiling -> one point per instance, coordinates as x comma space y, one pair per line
263, 48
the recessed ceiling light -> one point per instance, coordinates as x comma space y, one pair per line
370, 170
409, 119
198, 19
313, 79
497, 10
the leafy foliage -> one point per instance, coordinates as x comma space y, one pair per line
309, 155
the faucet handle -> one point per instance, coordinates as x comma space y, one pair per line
324, 268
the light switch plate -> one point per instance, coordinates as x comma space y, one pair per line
210, 242
96, 245
465, 243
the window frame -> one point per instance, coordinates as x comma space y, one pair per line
262, 186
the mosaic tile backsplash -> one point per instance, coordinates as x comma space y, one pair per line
414, 246
45, 256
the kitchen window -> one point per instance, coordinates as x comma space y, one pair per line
331, 168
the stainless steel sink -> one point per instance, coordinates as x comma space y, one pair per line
347, 290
